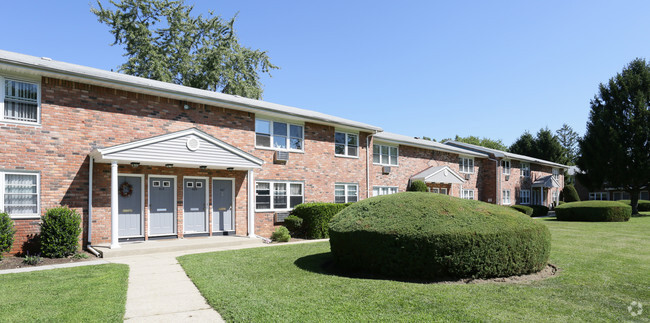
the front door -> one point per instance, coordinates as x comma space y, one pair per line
222, 205
194, 215
130, 206
161, 206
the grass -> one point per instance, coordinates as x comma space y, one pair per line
604, 267
81, 294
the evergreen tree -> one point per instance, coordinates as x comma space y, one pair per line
569, 141
524, 145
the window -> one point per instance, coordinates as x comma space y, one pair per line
383, 190
384, 155
346, 144
467, 194
20, 194
525, 169
344, 193
278, 195
524, 197
600, 196
644, 195
278, 135
505, 164
466, 165
20, 100
437, 190
505, 197
556, 173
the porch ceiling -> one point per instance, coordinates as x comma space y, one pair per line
439, 174
189, 148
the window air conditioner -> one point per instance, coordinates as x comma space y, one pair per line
468, 176
282, 156
385, 170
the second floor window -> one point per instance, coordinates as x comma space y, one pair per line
346, 144
384, 155
20, 101
525, 170
556, 173
506, 167
278, 135
466, 165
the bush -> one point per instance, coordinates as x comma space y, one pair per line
32, 260
417, 235
643, 205
281, 234
523, 209
294, 224
418, 186
539, 210
594, 211
569, 194
561, 202
7, 232
60, 231
316, 218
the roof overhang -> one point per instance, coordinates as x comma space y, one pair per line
439, 174
190, 148
547, 182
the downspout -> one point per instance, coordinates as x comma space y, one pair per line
368, 163
90, 208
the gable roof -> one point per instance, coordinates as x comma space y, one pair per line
426, 144
438, 174
47, 67
503, 154
186, 148
546, 181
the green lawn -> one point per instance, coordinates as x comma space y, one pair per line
81, 294
604, 267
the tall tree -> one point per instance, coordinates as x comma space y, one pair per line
524, 145
569, 141
543, 146
484, 142
615, 150
165, 42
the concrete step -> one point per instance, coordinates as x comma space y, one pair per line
175, 245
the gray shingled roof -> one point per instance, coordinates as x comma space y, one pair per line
16, 62
426, 144
503, 154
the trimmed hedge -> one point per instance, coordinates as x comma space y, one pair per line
569, 194
643, 206
316, 218
426, 236
539, 210
523, 209
418, 186
294, 225
594, 211
7, 232
60, 232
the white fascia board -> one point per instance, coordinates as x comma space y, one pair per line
461, 152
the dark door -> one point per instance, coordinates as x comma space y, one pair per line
194, 215
222, 208
161, 206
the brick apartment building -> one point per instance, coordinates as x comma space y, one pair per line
141, 159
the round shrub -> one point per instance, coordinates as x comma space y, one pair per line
539, 210
569, 194
594, 211
7, 232
643, 205
426, 236
523, 209
418, 186
316, 218
294, 225
60, 231
281, 234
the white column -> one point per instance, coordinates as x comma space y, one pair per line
114, 207
251, 204
542, 194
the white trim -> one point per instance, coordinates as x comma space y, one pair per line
234, 206
464, 158
522, 168
345, 191
272, 121
380, 149
35, 81
379, 187
207, 203
272, 194
503, 197
149, 205
115, 227
503, 166
521, 197
462, 193
3, 180
142, 180
443, 168
250, 208
345, 144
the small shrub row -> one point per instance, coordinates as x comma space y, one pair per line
417, 186
315, 219
594, 211
643, 205
60, 230
523, 209
539, 210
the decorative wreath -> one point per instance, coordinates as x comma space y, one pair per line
126, 189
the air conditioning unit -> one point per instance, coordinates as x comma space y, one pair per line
507, 177
281, 156
385, 170
280, 216
468, 176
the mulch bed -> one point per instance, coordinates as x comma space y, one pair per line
12, 262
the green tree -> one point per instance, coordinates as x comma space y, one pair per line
524, 145
615, 150
483, 142
569, 141
165, 42
543, 146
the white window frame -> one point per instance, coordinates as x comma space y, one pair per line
377, 190
464, 165
505, 167
287, 136
347, 134
505, 197
524, 197
381, 147
467, 194
556, 173
600, 195
272, 195
38, 193
525, 169
346, 187
3, 79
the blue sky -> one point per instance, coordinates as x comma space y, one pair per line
434, 68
